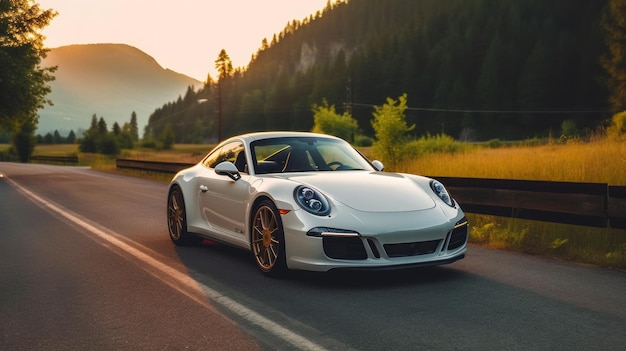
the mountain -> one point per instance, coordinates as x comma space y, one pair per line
109, 80
472, 69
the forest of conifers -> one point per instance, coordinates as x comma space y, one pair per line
472, 69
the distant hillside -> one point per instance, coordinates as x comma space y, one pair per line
473, 69
109, 80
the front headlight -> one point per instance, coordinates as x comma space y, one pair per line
441, 192
311, 200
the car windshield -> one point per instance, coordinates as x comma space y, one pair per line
305, 154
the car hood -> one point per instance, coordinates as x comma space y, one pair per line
369, 191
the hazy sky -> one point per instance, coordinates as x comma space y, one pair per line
183, 35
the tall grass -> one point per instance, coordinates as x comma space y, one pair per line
184, 153
599, 161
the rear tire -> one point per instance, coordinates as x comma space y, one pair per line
177, 219
267, 239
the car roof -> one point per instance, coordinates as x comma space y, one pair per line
249, 137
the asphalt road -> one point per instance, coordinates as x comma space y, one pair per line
86, 263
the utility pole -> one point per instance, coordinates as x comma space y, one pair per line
219, 110
224, 66
350, 100
349, 97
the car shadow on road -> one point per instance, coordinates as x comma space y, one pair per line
230, 264
351, 279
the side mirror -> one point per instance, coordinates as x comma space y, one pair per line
229, 169
378, 165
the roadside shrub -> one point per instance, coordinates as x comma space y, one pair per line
363, 140
617, 130
326, 120
9, 154
568, 129
440, 143
108, 145
149, 143
390, 126
167, 138
494, 144
533, 142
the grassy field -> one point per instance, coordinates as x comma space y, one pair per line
600, 161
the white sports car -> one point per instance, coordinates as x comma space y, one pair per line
307, 201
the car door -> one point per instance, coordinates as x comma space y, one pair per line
222, 199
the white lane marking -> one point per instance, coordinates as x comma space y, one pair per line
242, 311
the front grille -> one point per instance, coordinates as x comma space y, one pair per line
458, 236
345, 248
411, 249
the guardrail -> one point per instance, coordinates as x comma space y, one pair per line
55, 159
587, 204
162, 167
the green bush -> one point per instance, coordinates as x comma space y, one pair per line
617, 130
149, 143
167, 138
108, 145
533, 142
391, 130
569, 129
440, 143
326, 120
494, 144
363, 140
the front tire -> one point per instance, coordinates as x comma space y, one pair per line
177, 219
267, 239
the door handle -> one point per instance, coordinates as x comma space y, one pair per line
204, 188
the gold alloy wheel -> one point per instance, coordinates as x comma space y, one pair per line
265, 241
175, 215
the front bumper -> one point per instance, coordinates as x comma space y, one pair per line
376, 241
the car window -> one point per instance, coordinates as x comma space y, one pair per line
228, 152
305, 154
337, 159
210, 160
270, 158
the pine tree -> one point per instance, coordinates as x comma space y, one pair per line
224, 65
71, 138
94, 124
102, 127
134, 129
117, 130
57, 138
